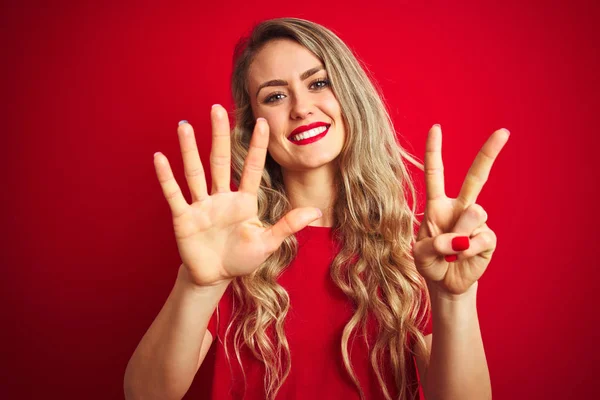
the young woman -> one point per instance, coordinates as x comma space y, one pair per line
309, 280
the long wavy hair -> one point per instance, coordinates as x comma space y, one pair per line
373, 222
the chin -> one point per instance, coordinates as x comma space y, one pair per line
320, 163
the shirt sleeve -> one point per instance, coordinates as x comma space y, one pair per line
212, 323
221, 315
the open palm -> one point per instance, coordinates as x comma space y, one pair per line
220, 236
454, 244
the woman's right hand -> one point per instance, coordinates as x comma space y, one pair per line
220, 236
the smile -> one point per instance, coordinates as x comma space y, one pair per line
309, 136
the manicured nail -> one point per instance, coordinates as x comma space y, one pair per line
183, 121
451, 258
460, 243
214, 105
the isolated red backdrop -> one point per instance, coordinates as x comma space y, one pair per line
92, 90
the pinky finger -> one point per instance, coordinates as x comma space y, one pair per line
169, 185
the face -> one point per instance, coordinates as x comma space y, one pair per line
294, 95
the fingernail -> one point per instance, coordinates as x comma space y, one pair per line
507, 131
214, 105
319, 212
260, 119
183, 121
158, 152
438, 125
451, 258
460, 243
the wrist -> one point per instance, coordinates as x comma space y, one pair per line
452, 309
437, 293
185, 280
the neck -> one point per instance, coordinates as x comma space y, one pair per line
312, 188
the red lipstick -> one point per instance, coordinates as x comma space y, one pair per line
308, 127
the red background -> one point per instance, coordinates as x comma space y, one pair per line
92, 90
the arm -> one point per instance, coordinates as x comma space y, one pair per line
457, 367
216, 245
453, 249
166, 360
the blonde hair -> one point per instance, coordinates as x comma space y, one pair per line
373, 221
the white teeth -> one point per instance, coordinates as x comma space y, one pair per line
310, 133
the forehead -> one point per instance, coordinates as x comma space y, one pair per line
281, 59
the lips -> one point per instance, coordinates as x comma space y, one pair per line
308, 127
309, 140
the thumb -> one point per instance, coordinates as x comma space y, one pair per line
292, 222
446, 244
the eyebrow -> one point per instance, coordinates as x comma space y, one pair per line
279, 82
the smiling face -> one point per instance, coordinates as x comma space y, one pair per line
294, 92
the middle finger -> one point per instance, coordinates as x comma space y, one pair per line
220, 154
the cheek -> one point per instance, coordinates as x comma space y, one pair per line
276, 124
272, 140
331, 106
276, 140
277, 151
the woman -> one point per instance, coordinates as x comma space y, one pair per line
323, 289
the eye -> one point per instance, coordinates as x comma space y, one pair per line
273, 98
321, 83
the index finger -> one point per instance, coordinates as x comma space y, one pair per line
480, 169
434, 167
255, 160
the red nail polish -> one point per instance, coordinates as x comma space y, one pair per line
460, 243
451, 258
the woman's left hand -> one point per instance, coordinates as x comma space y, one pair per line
459, 222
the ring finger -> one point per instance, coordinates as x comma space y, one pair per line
194, 172
472, 218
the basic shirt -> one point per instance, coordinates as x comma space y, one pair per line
319, 310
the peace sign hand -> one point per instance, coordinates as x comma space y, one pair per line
454, 244
220, 236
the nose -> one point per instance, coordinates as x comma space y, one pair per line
301, 106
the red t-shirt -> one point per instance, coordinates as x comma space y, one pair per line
319, 310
